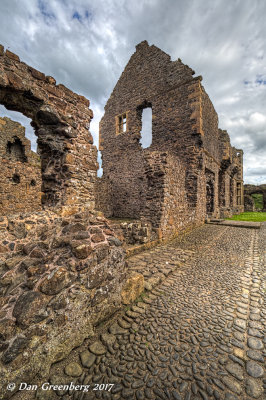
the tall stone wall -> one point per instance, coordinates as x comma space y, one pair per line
175, 129
189, 158
20, 179
61, 121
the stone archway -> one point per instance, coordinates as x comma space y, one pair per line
61, 120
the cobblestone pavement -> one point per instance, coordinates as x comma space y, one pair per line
197, 335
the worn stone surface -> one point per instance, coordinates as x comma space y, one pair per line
189, 172
50, 297
133, 287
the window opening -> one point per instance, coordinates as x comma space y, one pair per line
122, 123
146, 129
16, 178
16, 150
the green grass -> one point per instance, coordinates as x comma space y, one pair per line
250, 216
258, 200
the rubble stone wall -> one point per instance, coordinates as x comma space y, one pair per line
59, 278
20, 179
137, 190
61, 120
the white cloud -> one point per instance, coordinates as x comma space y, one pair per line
86, 45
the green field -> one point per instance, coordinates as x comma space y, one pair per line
258, 200
250, 216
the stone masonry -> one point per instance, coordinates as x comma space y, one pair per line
62, 267
20, 180
189, 172
61, 120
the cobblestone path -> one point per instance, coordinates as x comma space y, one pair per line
200, 334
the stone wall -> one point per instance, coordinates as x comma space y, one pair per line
62, 269
61, 121
20, 179
184, 175
59, 278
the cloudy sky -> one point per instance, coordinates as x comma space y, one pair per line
85, 45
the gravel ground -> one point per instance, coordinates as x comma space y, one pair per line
200, 334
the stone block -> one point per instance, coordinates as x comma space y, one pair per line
132, 289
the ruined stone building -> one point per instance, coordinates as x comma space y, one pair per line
189, 172
20, 179
64, 267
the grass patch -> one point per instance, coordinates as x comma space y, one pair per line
250, 216
258, 200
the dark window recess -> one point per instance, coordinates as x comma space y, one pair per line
33, 182
191, 185
16, 150
16, 178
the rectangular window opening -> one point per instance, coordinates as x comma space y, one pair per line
121, 123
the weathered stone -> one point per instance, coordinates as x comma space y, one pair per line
97, 348
253, 388
98, 237
57, 280
15, 348
81, 250
235, 370
232, 384
115, 329
74, 228
254, 369
87, 359
133, 287
73, 369
255, 343
107, 339
28, 308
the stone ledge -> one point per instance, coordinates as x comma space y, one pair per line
238, 224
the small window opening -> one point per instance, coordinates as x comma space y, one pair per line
146, 130
16, 178
33, 182
122, 123
16, 150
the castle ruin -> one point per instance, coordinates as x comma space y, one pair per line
62, 265
190, 171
